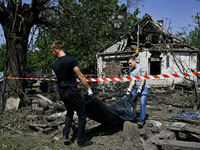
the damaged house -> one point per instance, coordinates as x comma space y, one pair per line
153, 46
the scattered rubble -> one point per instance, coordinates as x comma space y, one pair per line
42, 120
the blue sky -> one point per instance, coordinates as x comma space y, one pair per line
178, 11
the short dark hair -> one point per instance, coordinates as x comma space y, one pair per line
57, 45
131, 58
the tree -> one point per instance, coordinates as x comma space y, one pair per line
194, 35
17, 21
87, 31
80, 20
2, 57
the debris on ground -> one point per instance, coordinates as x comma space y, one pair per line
39, 123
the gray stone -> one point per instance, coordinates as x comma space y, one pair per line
35, 104
156, 123
12, 103
43, 104
56, 138
131, 132
39, 111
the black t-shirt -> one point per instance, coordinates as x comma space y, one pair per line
63, 68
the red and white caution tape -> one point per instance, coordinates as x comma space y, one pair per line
40, 79
1, 79
163, 76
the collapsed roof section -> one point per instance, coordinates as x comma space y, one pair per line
147, 34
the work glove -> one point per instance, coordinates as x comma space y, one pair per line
90, 93
128, 92
139, 90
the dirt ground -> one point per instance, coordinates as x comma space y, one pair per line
16, 134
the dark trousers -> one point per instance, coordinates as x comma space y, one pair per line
74, 101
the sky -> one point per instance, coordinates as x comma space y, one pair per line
179, 12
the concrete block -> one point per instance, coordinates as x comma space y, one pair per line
12, 103
35, 104
39, 111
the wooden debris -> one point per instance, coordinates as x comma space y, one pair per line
45, 128
44, 98
51, 118
17, 131
32, 117
176, 143
185, 129
59, 114
161, 140
37, 125
164, 135
188, 121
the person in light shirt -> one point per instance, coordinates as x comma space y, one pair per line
142, 87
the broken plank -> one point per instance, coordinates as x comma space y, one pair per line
37, 125
175, 128
188, 121
45, 98
176, 143
184, 129
17, 131
191, 130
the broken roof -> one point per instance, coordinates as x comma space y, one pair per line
152, 36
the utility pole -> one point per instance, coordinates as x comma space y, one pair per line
198, 19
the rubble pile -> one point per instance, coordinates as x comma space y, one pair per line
46, 117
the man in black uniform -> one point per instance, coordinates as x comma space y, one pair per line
65, 68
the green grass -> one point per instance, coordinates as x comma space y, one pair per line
10, 141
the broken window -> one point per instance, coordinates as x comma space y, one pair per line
167, 62
155, 67
124, 66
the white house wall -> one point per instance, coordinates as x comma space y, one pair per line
118, 45
185, 59
143, 57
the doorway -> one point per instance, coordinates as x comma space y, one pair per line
155, 67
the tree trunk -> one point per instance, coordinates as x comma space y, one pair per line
15, 67
16, 42
17, 18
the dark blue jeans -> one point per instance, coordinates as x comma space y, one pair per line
74, 101
143, 98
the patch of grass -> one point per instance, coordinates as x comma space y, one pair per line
10, 141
